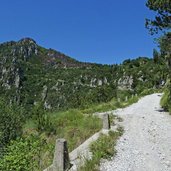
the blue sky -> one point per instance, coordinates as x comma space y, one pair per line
101, 31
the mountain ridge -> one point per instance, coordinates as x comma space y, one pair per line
30, 73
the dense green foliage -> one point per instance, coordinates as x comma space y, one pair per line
42, 119
31, 74
11, 121
72, 125
163, 22
163, 17
165, 101
22, 154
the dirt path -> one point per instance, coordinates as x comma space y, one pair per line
146, 143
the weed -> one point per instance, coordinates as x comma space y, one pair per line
103, 148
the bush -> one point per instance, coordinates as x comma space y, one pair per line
42, 119
11, 121
165, 100
22, 154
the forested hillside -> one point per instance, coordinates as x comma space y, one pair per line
32, 74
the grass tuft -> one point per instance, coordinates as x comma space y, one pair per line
103, 148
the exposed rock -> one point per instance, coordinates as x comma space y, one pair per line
100, 83
47, 106
44, 93
93, 82
125, 83
105, 80
6, 85
17, 81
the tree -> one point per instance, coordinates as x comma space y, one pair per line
163, 17
165, 48
156, 56
42, 119
11, 121
162, 22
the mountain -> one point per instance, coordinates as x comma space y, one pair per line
30, 73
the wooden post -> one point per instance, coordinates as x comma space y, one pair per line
106, 122
126, 98
119, 100
61, 156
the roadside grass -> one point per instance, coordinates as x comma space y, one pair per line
112, 105
77, 125
103, 148
102, 107
72, 125
119, 102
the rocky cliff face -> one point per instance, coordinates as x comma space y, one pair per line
125, 82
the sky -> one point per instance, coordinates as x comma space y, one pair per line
101, 31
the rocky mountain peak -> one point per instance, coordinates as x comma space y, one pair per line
25, 47
27, 40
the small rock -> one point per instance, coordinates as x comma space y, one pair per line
168, 163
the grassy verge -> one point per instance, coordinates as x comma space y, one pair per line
103, 148
115, 103
76, 126
112, 105
165, 101
72, 125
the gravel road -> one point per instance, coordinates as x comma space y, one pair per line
146, 143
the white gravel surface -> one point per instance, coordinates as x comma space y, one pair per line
146, 142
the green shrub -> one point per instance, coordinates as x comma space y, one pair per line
23, 154
165, 100
42, 119
147, 92
11, 121
74, 126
